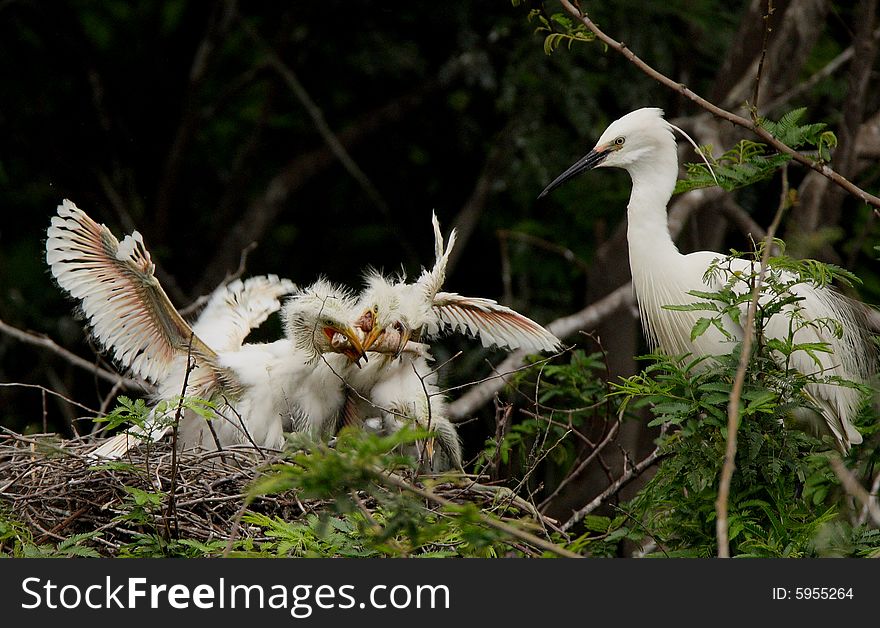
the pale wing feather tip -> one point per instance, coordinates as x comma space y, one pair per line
493, 323
117, 446
129, 313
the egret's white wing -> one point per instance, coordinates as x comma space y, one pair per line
128, 310
494, 323
432, 280
235, 309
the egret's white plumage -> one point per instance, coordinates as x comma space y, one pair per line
643, 144
427, 312
294, 381
118, 293
407, 384
254, 386
237, 308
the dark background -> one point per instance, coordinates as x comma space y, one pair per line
190, 122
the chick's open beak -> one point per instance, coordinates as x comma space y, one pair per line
372, 335
405, 334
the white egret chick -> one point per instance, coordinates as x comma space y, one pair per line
253, 387
405, 386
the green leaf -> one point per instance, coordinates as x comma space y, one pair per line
700, 328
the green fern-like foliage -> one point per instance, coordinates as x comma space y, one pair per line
16, 540
785, 500
778, 470
396, 524
791, 132
560, 29
749, 162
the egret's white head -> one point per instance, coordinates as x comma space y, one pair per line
640, 137
318, 319
383, 312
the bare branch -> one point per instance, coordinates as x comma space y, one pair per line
264, 209
51, 392
566, 253
218, 25
734, 212
561, 327
48, 344
583, 465
767, 29
745, 123
292, 81
721, 523
827, 70
468, 216
851, 486
613, 489
230, 277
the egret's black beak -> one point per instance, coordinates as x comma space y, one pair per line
587, 162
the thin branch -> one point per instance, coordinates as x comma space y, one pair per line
615, 486
219, 22
851, 485
508, 529
46, 343
468, 216
292, 81
566, 253
51, 392
827, 70
721, 504
171, 511
745, 123
263, 210
230, 277
766, 38
590, 316
734, 212
583, 465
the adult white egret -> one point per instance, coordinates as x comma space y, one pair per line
253, 386
643, 144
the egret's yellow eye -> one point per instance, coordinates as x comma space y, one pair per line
619, 141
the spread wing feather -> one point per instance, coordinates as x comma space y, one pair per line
432, 280
492, 322
235, 309
129, 312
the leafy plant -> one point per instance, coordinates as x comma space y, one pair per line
749, 162
561, 29
397, 523
783, 493
135, 411
16, 540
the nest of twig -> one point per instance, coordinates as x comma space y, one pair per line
55, 489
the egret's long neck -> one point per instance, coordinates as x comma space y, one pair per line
653, 179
